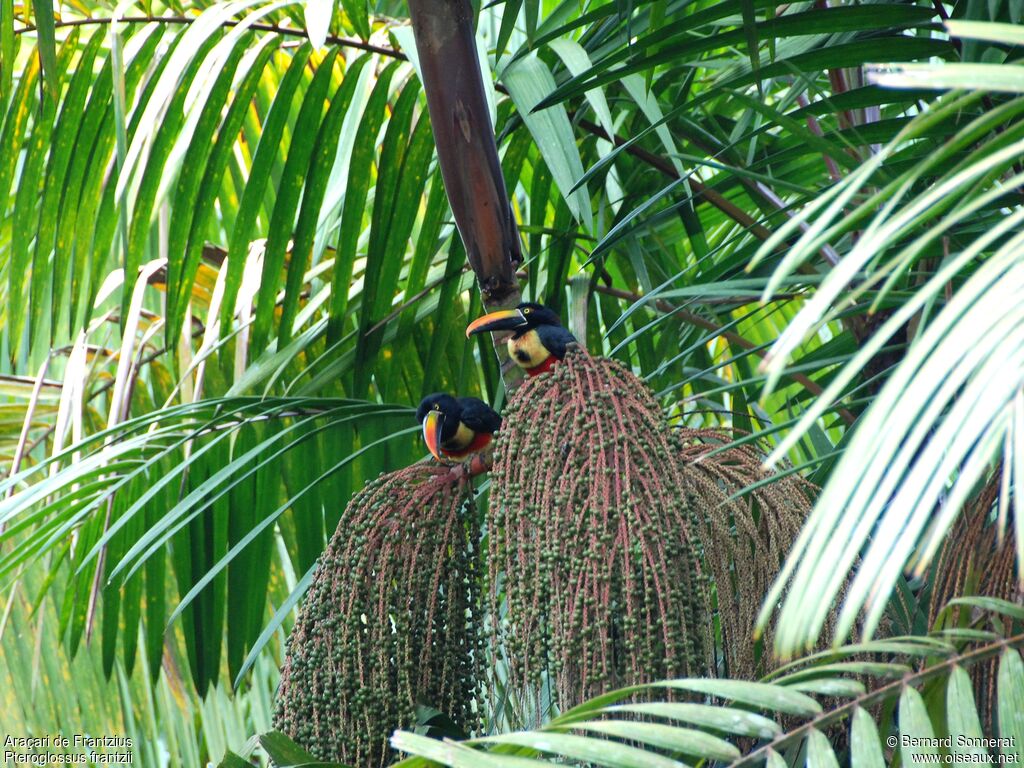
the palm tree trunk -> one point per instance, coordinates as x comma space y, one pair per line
468, 155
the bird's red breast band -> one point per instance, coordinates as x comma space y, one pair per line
544, 367
481, 441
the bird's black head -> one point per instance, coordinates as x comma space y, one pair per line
439, 415
538, 314
521, 319
439, 401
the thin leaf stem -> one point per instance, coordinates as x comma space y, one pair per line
720, 202
702, 322
26, 427
346, 42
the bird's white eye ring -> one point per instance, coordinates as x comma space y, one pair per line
526, 311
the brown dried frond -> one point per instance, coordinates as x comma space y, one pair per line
744, 540
589, 527
972, 561
391, 620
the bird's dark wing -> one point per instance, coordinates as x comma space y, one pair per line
555, 339
478, 415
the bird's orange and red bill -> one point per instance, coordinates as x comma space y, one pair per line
502, 320
432, 433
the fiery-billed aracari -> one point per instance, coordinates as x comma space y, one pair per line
455, 428
538, 339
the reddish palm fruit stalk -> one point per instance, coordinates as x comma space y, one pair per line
743, 540
974, 561
590, 542
391, 620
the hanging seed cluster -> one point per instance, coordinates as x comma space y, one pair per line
973, 561
391, 621
743, 540
590, 542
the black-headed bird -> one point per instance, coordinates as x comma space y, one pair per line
538, 339
455, 428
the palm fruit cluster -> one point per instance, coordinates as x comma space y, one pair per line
744, 536
976, 560
391, 620
592, 563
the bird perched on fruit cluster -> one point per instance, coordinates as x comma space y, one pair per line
538, 340
456, 428
587, 488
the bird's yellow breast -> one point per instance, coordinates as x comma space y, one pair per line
461, 440
527, 350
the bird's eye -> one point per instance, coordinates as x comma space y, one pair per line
437, 407
526, 311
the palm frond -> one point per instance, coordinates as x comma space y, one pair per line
864, 703
949, 411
